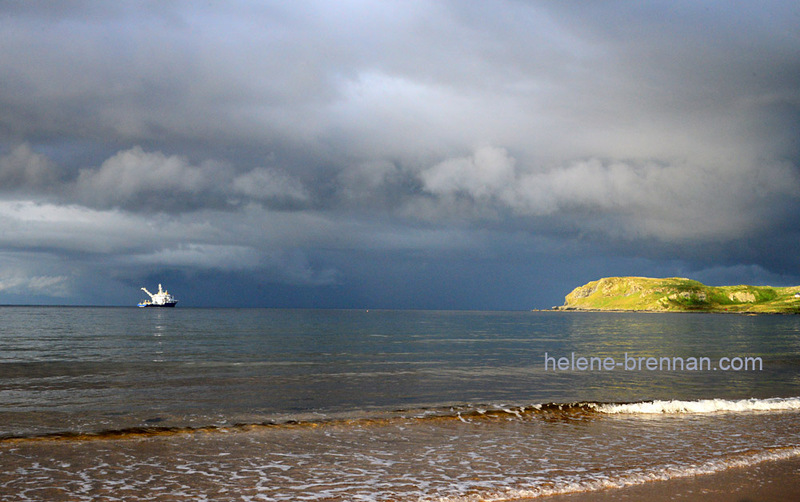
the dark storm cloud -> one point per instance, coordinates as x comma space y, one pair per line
267, 138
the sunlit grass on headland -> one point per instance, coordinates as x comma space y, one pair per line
678, 294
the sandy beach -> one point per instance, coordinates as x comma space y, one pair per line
776, 481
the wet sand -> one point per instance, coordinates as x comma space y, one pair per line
776, 481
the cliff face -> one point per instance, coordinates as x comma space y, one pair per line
679, 294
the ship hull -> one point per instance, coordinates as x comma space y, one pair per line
168, 304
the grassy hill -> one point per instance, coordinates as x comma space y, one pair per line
677, 294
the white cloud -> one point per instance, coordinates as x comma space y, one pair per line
488, 173
139, 180
151, 177
23, 167
269, 184
667, 201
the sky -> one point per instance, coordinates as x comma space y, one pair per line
417, 154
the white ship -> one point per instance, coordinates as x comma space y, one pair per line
160, 299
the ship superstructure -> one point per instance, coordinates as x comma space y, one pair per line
160, 299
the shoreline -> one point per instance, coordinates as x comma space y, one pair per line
646, 311
769, 481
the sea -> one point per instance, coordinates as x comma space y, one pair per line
193, 404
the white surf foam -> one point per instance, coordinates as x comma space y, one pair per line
701, 406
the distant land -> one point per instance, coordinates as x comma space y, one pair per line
677, 294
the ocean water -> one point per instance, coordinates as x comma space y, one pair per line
258, 404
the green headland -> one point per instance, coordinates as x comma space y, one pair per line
677, 294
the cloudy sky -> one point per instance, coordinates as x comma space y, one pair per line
394, 154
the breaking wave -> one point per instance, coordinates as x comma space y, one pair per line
457, 453
701, 406
465, 413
